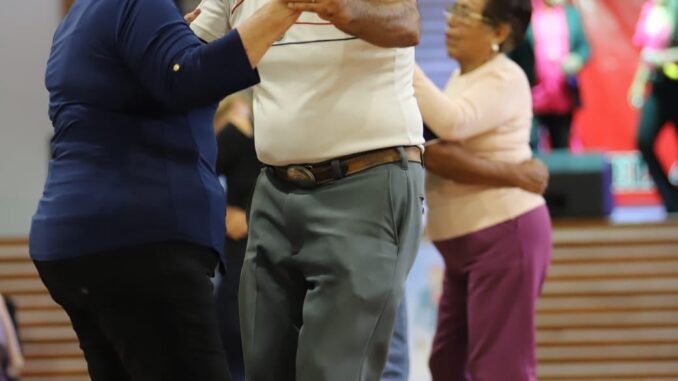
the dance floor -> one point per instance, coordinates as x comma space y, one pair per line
609, 309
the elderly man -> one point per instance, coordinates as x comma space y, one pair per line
336, 213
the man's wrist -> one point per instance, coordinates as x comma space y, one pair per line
511, 174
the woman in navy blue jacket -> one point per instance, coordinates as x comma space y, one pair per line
131, 221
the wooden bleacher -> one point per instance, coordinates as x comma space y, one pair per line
609, 309
50, 345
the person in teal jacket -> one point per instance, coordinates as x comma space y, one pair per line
554, 52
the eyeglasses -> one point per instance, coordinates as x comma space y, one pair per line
465, 15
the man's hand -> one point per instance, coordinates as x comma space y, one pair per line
190, 17
236, 223
532, 176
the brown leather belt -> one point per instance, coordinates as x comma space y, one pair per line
310, 175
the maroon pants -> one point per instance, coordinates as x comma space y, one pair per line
486, 318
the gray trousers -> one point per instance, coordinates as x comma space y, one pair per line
324, 273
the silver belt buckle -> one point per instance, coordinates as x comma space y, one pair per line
301, 175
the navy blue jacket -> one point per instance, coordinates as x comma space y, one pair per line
132, 98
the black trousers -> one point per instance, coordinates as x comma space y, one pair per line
558, 127
227, 307
660, 107
143, 313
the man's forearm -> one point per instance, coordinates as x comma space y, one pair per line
452, 161
385, 23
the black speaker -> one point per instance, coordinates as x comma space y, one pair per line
579, 185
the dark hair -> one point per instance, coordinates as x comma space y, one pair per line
516, 13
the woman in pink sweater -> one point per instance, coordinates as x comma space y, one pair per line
495, 239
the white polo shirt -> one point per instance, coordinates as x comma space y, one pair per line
323, 93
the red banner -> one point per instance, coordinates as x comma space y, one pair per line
607, 122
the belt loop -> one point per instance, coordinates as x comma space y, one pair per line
336, 168
404, 161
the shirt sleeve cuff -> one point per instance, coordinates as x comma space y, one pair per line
203, 33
